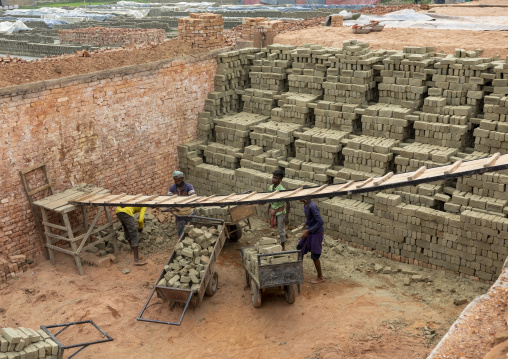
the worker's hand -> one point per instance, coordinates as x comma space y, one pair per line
140, 230
271, 212
305, 233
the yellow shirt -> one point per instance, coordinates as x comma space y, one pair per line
131, 210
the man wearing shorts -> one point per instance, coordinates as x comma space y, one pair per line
126, 216
312, 237
181, 188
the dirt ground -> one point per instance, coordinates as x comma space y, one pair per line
493, 42
363, 310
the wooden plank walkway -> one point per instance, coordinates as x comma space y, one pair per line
496, 162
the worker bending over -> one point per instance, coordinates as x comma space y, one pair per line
312, 237
279, 214
181, 188
126, 216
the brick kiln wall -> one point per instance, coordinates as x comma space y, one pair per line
100, 36
118, 129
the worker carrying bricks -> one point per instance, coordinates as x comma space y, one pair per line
126, 216
181, 188
311, 239
278, 211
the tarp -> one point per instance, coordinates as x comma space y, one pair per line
49, 22
307, 7
7, 27
411, 19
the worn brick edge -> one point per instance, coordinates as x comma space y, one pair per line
32, 87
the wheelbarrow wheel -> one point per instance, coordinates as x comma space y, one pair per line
255, 294
290, 293
211, 288
235, 232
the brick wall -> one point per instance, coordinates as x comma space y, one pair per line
100, 36
202, 30
117, 129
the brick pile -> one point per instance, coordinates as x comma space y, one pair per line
101, 36
404, 79
202, 30
26, 343
350, 78
491, 135
255, 158
234, 130
388, 121
309, 67
192, 256
269, 73
500, 78
14, 265
259, 32
275, 135
369, 154
320, 146
266, 245
295, 108
337, 21
222, 155
337, 116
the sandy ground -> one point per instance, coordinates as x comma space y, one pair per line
356, 313
471, 9
493, 42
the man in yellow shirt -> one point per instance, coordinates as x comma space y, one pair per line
126, 216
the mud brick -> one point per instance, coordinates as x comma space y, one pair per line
11, 335
4, 344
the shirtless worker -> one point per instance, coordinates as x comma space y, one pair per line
312, 236
181, 188
126, 216
278, 211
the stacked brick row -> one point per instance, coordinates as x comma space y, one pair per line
253, 25
270, 73
205, 31
423, 97
101, 36
232, 75
26, 343
15, 264
351, 76
222, 155
234, 130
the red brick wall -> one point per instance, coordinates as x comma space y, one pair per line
118, 129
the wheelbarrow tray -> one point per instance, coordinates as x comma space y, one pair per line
277, 275
182, 295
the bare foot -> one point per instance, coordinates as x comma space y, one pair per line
316, 280
140, 263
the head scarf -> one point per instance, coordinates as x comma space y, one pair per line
178, 174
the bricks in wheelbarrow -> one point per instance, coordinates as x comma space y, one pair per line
192, 256
265, 246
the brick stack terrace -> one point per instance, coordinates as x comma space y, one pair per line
100, 36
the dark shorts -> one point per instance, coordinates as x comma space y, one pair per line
130, 228
313, 244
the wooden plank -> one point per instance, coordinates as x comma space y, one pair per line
147, 199
492, 160
292, 193
360, 185
42, 188
417, 173
385, 178
453, 167
32, 168
116, 198
167, 199
203, 199
56, 226
185, 199
130, 200
344, 186
239, 213
66, 207
222, 199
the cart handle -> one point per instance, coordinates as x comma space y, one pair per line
160, 321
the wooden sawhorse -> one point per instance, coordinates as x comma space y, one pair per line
79, 237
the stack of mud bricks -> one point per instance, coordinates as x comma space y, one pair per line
15, 264
485, 193
320, 146
100, 36
275, 135
232, 74
308, 72
404, 78
388, 121
269, 73
295, 108
26, 343
234, 130
491, 136
268, 79
351, 75
454, 99
255, 158
190, 154
337, 116
337, 21
259, 32
204, 31
307, 172
369, 154
500, 78
222, 155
